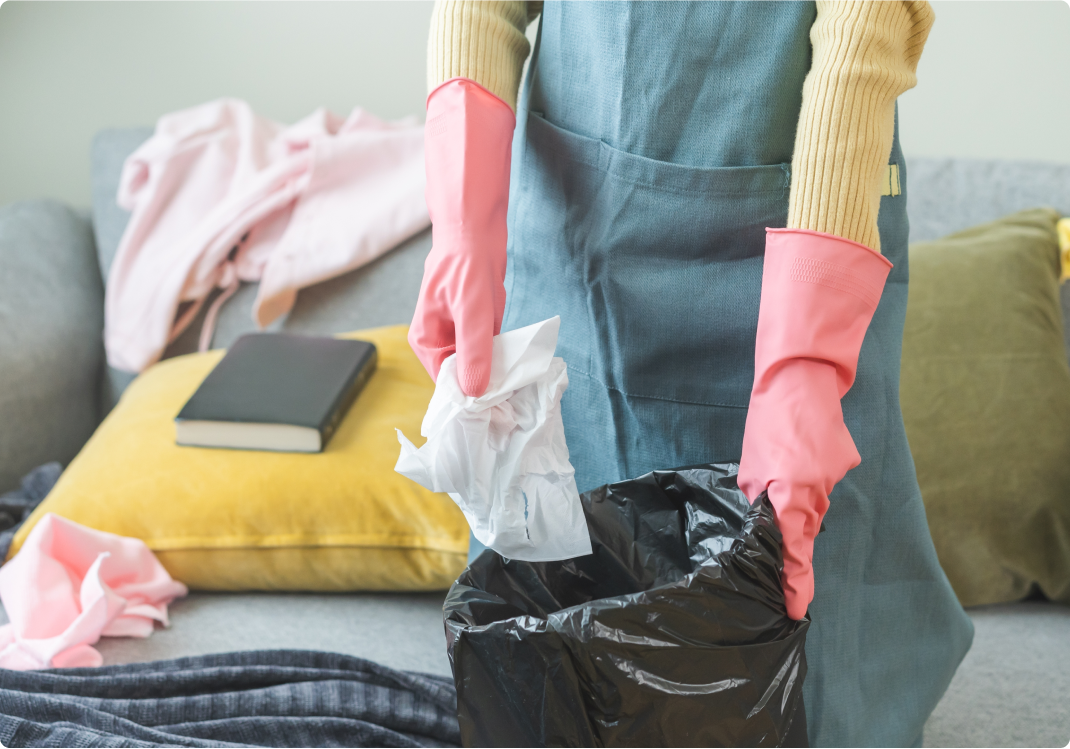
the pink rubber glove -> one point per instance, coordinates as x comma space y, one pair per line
819, 293
467, 139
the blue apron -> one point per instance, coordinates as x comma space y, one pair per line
652, 149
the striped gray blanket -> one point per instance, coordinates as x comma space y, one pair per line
273, 698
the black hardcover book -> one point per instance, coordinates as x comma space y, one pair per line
274, 391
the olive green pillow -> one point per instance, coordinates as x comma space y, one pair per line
985, 391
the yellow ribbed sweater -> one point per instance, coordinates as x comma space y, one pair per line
865, 54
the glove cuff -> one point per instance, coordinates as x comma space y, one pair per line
819, 293
467, 151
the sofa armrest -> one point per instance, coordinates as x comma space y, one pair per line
51, 336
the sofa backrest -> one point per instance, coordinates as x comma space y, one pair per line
948, 195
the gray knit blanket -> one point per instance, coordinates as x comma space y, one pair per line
283, 698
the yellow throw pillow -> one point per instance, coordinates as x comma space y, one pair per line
340, 520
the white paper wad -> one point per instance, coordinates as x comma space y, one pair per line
502, 456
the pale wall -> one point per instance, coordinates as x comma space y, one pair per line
68, 69
994, 78
994, 82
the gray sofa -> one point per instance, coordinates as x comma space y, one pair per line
55, 388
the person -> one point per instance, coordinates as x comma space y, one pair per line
712, 196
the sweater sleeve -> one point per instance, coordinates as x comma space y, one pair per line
865, 54
482, 40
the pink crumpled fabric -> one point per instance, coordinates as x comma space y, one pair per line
220, 195
69, 585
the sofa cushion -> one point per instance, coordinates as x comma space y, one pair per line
985, 393
381, 293
51, 315
249, 520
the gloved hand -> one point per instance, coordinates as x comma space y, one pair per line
467, 139
819, 293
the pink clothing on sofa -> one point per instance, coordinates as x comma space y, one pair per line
68, 585
219, 194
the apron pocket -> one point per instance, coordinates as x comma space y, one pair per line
654, 267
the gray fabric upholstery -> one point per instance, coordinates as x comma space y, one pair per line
948, 195
399, 630
106, 156
381, 293
51, 316
1011, 689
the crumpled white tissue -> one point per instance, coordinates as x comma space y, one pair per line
502, 456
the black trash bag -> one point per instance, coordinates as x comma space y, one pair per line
673, 632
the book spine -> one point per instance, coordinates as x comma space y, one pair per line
348, 395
